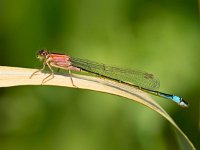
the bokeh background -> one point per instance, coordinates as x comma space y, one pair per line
158, 36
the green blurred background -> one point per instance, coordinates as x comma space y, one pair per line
158, 36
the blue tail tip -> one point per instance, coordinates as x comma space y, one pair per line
184, 103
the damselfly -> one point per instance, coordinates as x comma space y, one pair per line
144, 81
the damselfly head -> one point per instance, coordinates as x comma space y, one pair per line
42, 54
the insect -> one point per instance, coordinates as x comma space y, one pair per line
139, 79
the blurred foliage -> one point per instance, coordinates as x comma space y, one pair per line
158, 36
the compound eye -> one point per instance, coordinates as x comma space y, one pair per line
43, 52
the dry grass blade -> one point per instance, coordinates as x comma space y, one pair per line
13, 76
